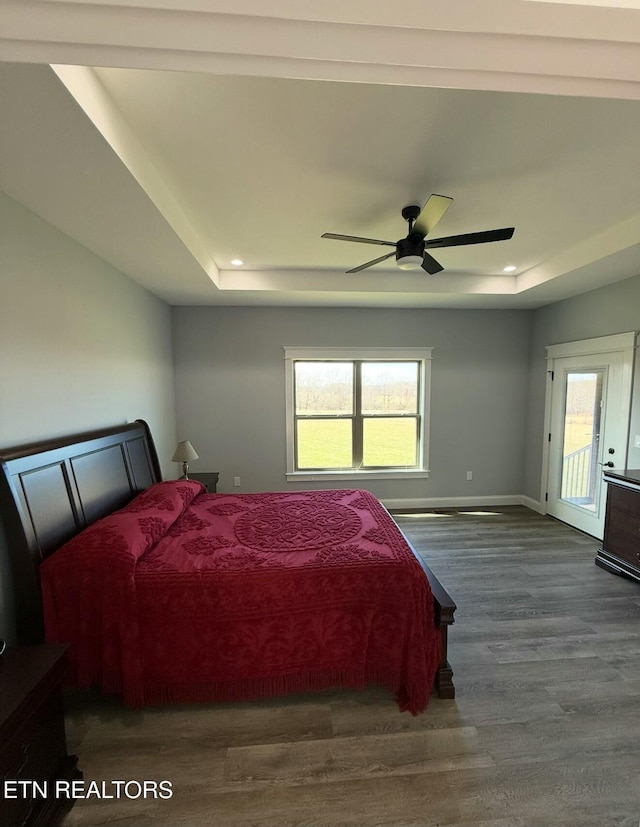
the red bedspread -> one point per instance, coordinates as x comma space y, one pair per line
184, 596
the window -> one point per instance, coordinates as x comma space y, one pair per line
361, 411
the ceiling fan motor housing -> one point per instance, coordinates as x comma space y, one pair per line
410, 252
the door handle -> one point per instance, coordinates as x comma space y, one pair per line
606, 464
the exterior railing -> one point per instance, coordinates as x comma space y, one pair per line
578, 475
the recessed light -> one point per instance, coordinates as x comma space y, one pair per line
237, 262
509, 269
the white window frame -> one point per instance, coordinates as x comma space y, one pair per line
374, 354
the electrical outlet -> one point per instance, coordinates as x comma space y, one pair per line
236, 482
469, 475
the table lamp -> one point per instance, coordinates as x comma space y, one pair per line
185, 453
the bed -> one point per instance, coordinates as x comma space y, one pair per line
166, 593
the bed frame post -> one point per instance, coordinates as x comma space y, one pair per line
444, 609
444, 676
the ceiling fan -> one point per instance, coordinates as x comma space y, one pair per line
411, 252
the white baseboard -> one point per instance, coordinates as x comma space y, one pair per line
534, 505
429, 503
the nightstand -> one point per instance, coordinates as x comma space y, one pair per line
208, 478
33, 745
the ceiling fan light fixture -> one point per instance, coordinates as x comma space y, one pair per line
410, 253
409, 262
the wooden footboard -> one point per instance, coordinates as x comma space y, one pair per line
444, 611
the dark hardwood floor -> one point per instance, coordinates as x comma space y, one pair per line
545, 729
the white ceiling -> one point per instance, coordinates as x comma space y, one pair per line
221, 130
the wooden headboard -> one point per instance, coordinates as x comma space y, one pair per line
52, 490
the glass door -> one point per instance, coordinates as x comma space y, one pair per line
588, 425
579, 483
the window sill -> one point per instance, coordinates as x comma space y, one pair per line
319, 476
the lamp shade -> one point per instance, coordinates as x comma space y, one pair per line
185, 452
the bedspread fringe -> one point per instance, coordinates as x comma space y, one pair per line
252, 689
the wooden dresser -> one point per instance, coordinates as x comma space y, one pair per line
620, 552
33, 743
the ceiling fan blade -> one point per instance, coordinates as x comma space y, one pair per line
431, 213
431, 265
371, 263
472, 238
339, 237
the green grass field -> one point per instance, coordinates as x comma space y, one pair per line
326, 443
577, 433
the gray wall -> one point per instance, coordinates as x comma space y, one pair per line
81, 346
602, 312
231, 398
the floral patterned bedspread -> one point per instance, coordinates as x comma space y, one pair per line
184, 596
